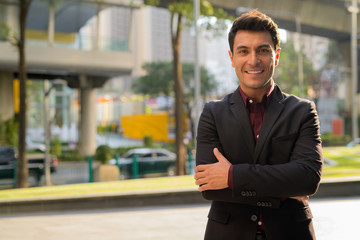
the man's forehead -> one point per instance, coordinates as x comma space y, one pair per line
247, 37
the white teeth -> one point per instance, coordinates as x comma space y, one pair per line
254, 72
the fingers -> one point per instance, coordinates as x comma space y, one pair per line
218, 155
301, 198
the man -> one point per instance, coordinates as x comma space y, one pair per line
259, 152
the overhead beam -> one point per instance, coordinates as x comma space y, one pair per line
327, 18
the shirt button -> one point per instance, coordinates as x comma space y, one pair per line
259, 223
257, 136
250, 101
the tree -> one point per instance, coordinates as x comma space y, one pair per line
19, 42
180, 12
22, 171
287, 72
158, 81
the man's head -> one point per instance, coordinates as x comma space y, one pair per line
254, 52
254, 21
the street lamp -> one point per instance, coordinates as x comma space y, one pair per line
47, 123
354, 10
196, 68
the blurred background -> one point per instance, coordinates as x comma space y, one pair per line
100, 99
85, 83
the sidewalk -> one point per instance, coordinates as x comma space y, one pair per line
339, 187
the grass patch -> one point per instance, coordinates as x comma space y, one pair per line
132, 185
348, 160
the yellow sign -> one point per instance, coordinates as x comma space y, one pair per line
16, 95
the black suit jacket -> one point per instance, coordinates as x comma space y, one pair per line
285, 162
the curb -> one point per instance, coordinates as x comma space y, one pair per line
329, 188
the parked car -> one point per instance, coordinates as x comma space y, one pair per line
33, 146
36, 165
151, 162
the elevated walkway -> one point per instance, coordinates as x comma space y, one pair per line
56, 60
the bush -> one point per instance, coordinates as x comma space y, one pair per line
103, 154
9, 132
328, 139
148, 141
71, 155
56, 146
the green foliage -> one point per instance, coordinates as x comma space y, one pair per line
71, 155
212, 18
6, 34
207, 81
148, 141
334, 56
287, 76
152, 2
9, 132
159, 80
4, 31
103, 154
328, 139
104, 129
56, 146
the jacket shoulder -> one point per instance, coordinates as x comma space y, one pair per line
295, 99
220, 102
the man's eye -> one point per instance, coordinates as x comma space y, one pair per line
243, 51
264, 50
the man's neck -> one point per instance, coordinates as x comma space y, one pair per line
258, 94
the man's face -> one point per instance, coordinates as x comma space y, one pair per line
254, 59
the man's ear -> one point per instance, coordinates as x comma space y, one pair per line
231, 57
277, 56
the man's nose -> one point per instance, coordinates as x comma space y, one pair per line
253, 58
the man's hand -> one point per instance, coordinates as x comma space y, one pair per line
213, 176
301, 198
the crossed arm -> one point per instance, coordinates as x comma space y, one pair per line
215, 176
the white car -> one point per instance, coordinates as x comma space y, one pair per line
32, 146
150, 162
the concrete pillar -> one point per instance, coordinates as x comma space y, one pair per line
6, 96
87, 131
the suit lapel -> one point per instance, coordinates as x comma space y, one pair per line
273, 111
238, 109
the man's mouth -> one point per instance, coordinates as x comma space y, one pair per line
254, 71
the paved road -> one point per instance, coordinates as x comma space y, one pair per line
334, 219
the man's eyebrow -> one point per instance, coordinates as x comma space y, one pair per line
260, 46
265, 46
241, 46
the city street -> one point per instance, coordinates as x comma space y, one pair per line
334, 219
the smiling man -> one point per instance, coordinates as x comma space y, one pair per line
259, 152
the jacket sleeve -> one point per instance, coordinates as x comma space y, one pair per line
207, 140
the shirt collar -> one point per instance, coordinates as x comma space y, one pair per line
265, 99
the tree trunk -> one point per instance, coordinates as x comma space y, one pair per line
22, 170
179, 99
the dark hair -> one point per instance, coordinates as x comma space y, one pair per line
254, 21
